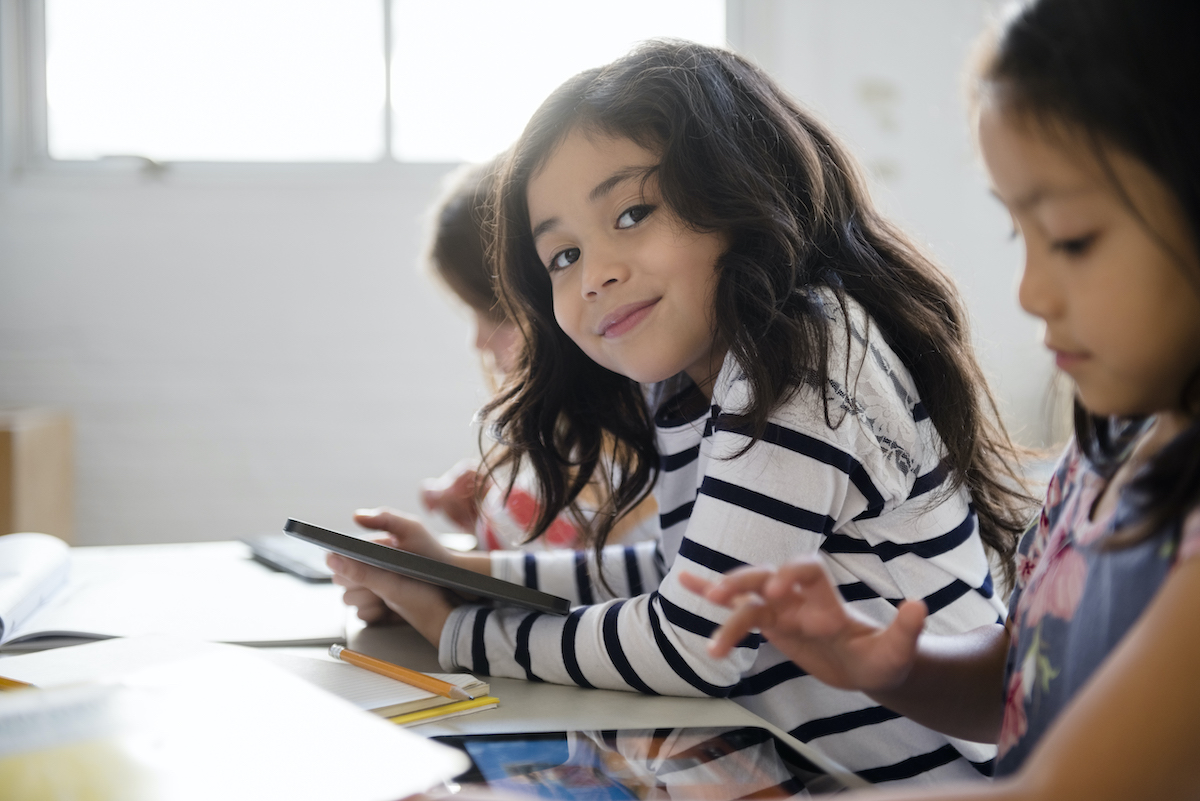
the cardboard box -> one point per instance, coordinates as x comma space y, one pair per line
37, 472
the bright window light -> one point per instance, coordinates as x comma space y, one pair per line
304, 80
215, 80
467, 74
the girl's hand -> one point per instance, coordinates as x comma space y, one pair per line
454, 494
797, 607
403, 532
383, 596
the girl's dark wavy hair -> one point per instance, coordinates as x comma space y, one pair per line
1121, 74
740, 157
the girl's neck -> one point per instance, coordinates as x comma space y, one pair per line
704, 375
1164, 428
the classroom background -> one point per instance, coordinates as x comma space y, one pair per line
239, 342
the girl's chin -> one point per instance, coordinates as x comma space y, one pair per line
1104, 406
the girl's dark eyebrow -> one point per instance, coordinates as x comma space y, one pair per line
543, 227
618, 177
1041, 194
601, 189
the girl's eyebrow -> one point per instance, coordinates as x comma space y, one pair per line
614, 180
1043, 193
600, 190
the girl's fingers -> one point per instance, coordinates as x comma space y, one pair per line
739, 582
886, 657
360, 597
807, 577
694, 583
430, 498
908, 624
749, 613
382, 519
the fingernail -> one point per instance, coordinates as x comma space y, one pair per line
366, 512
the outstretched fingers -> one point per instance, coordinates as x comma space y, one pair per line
738, 590
738, 582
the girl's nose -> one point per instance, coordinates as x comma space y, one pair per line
603, 270
1038, 292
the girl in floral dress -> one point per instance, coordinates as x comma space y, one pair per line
1086, 117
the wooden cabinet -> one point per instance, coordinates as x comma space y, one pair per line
37, 472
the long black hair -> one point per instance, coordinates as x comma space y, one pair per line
1121, 74
740, 157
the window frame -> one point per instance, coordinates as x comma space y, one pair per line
24, 142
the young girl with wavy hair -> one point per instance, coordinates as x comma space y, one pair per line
1087, 122
705, 290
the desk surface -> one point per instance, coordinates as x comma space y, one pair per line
533, 706
524, 706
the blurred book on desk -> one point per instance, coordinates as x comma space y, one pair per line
51, 596
403, 703
174, 720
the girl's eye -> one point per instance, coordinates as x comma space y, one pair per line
563, 259
1074, 247
633, 215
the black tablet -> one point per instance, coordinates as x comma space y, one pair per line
430, 570
710, 763
302, 559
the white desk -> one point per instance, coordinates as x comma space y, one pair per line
534, 706
527, 706
524, 706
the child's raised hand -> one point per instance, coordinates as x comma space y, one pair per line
797, 607
454, 494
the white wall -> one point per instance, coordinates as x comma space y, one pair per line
238, 350
889, 75
233, 356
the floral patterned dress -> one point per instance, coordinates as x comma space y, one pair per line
1075, 600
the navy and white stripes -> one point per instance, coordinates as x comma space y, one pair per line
867, 495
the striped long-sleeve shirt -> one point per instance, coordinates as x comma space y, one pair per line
866, 493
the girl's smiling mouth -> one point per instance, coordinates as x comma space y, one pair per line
625, 318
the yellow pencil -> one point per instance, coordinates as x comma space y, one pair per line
12, 684
446, 710
413, 677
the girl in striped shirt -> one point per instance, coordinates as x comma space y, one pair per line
701, 278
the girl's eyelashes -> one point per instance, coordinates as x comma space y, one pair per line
1076, 246
627, 219
634, 215
563, 259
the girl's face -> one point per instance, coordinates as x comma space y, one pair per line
1114, 279
633, 286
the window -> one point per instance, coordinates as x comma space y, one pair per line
326, 80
